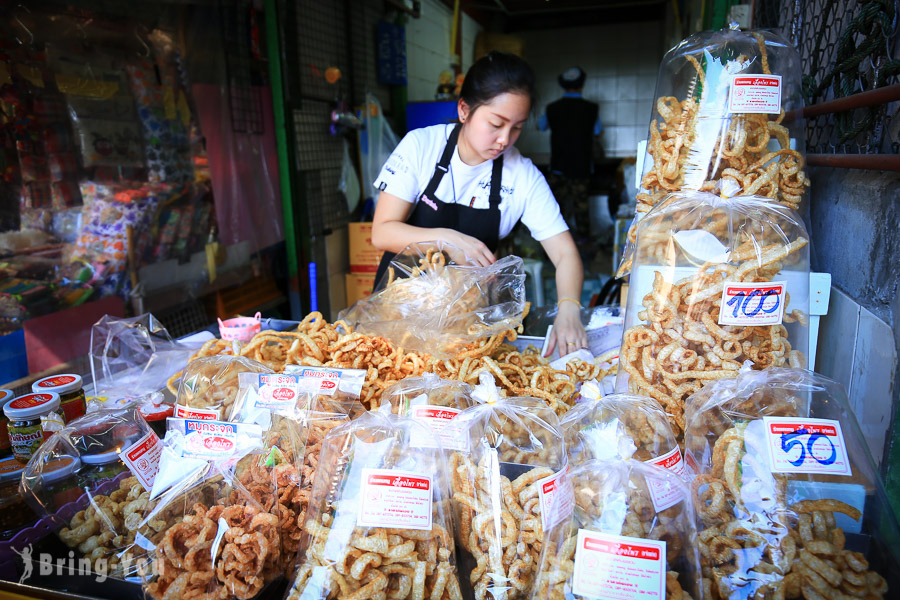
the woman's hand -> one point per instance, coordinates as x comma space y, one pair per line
474, 248
568, 333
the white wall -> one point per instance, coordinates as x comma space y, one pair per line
621, 62
428, 48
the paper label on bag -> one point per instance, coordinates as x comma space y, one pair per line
617, 567
759, 94
557, 498
798, 445
395, 499
328, 379
753, 304
277, 391
213, 440
203, 414
662, 493
142, 459
440, 420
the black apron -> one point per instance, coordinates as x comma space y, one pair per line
431, 212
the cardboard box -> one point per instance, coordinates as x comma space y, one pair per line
359, 285
364, 257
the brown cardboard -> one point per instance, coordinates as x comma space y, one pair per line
359, 285
364, 257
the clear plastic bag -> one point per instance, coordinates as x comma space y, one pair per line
435, 301
209, 386
716, 283
509, 493
726, 120
79, 483
619, 426
621, 542
379, 520
788, 499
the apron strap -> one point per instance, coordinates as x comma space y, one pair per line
443, 164
496, 179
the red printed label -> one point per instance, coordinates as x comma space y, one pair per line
752, 304
395, 499
277, 391
557, 498
615, 567
52, 382
142, 458
798, 445
662, 492
759, 94
203, 414
439, 420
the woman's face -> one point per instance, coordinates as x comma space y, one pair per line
492, 127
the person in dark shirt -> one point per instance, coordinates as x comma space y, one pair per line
574, 123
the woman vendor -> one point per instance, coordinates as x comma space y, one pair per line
467, 185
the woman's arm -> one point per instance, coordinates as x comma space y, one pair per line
568, 332
391, 232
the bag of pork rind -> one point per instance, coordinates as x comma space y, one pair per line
789, 503
624, 539
379, 519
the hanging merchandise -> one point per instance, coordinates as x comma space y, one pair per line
726, 121
349, 183
716, 283
376, 143
378, 521
788, 498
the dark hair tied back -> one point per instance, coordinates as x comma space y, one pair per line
495, 74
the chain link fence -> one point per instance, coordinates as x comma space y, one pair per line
847, 47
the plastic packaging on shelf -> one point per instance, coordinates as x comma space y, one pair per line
716, 282
509, 492
379, 520
99, 517
788, 498
726, 120
435, 301
620, 541
619, 426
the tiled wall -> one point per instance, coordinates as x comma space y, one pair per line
428, 48
621, 61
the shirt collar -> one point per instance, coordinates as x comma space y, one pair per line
571, 95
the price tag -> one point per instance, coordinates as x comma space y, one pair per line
617, 567
142, 458
759, 94
395, 499
798, 445
752, 304
440, 420
277, 391
557, 498
662, 493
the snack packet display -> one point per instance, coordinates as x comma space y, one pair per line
716, 283
209, 386
619, 543
434, 402
333, 386
788, 500
90, 483
720, 123
509, 492
436, 301
379, 522
619, 426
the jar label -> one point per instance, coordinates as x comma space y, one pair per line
30, 400
25, 440
142, 458
52, 382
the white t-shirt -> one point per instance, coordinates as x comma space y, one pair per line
524, 193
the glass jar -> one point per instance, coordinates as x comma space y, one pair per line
5, 447
24, 414
71, 394
15, 514
61, 484
100, 467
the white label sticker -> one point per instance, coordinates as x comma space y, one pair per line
328, 379
662, 494
752, 304
209, 440
277, 391
617, 567
798, 445
395, 499
440, 420
142, 458
557, 498
759, 94
204, 414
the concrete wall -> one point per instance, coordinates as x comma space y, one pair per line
428, 48
621, 61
